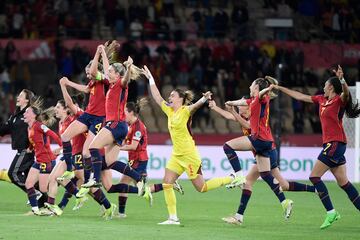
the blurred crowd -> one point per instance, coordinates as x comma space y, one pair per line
201, 58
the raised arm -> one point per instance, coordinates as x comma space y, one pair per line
79, 87
294, 94
243, 123
95, 63
345, 88
153, 89
126, 79
194, 107
222, 112
105, 61
240, 102
68, 101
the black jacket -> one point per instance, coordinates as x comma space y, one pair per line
18, 130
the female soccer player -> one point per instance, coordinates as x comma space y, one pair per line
24, 159
39, 134
91, 121
260, 141
185, 156
335, 101
67, 115
136, 145
253, 174
116, 128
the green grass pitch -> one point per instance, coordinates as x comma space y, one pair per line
200, 215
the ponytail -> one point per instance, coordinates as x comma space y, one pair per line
273, 81
352, 109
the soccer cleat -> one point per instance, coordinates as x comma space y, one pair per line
109, 213
79, 202
91, 183
232, 220
67, 175
238, 181
54, 208
42, 212
330, 219
82, 192
170, 222
121, 215
102, 211
177, 187
148, 196
287, 206
141, 186
4, 176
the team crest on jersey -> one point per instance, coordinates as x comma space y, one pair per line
44, 128
138, 134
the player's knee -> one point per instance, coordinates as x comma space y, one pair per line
314, 180
167, 185
284, 186
28, 184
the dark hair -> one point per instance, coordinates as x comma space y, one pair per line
352, 109
187, 96
136, 107
46, 116
63, 104
262, 82
78, 99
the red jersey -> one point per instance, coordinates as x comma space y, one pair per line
331, 112
77, 142
40, 142
259, 118
116, 99
137, 132
96, 98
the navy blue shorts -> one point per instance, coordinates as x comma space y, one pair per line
139, 166
44, 168
119, 130
93, 123
273, 159
77, 161
261, 147
332, 154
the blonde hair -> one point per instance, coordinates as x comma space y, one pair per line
46, 116
273, 81
112, 49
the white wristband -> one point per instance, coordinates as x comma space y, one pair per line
342, 81
203, 99
151, 80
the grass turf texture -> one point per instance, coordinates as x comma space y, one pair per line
200, 216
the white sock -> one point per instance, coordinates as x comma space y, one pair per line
173, 217
35, 209
239, 217
331, 211
239, 173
